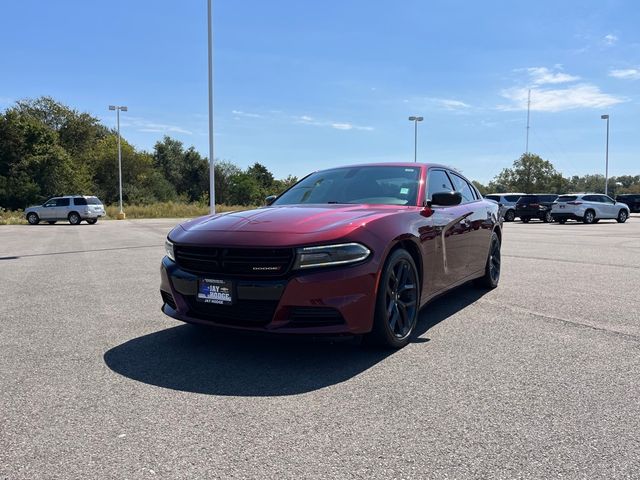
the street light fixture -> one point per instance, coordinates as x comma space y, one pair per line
415, 121
118, 109
606, 167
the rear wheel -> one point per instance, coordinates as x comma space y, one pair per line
74, 218
33, 218
622, 216
492, 268
589, 216
547, 217
525, 219
397, 303
92, 221
510, 216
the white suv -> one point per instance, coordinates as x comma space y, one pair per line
588, 208
73, 208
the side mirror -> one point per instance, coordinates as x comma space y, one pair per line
270, 199
446, 199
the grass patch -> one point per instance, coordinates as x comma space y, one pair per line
154, 210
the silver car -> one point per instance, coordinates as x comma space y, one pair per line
74, 208
508, 201
588, 208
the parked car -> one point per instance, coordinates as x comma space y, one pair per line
535, 206
347, 251
74, 208
632, 200
508, 201
588, 208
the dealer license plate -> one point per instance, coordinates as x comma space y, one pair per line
211, 290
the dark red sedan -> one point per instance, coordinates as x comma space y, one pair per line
347, 251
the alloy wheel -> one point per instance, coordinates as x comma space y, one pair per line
401, 298
494, 261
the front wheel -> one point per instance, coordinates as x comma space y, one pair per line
510, 216
92, 221
562, 221
622, 216
547, 217
33, 218
525, 219
397, 302
491, 275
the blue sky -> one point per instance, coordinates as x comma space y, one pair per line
302, 85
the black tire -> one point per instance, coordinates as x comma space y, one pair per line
589, 217
562, 221
510, 216
74, 218
547, 217
525, 219
622, 216
92, 221
51, 222
397, 303
33, 218
491, 275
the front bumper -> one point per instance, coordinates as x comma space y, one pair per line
336, 301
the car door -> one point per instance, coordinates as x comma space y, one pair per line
48, 210
608, 206
476, 237
62, 208
440, 248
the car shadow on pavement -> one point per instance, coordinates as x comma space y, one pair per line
200, 360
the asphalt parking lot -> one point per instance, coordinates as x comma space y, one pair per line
539, 378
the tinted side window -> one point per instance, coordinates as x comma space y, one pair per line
591, 198
62, 202
463, 187
512, 198
605, 199
51, 202
79, 201
438, 181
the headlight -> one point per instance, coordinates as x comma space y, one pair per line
327, 255
168, 248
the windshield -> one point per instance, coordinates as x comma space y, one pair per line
374, 185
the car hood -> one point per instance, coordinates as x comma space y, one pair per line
292, 219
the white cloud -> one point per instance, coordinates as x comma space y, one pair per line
610, 39
626, 74
556, 100
448, 104
144, 125
542, 76
240, 113
307, 120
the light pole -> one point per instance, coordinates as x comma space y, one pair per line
118, 109
606, 165
415, 121
212, 195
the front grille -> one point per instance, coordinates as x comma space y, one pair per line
253, 262
242, 313
315, 316
168, 299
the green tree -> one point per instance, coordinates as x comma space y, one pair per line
529, 174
